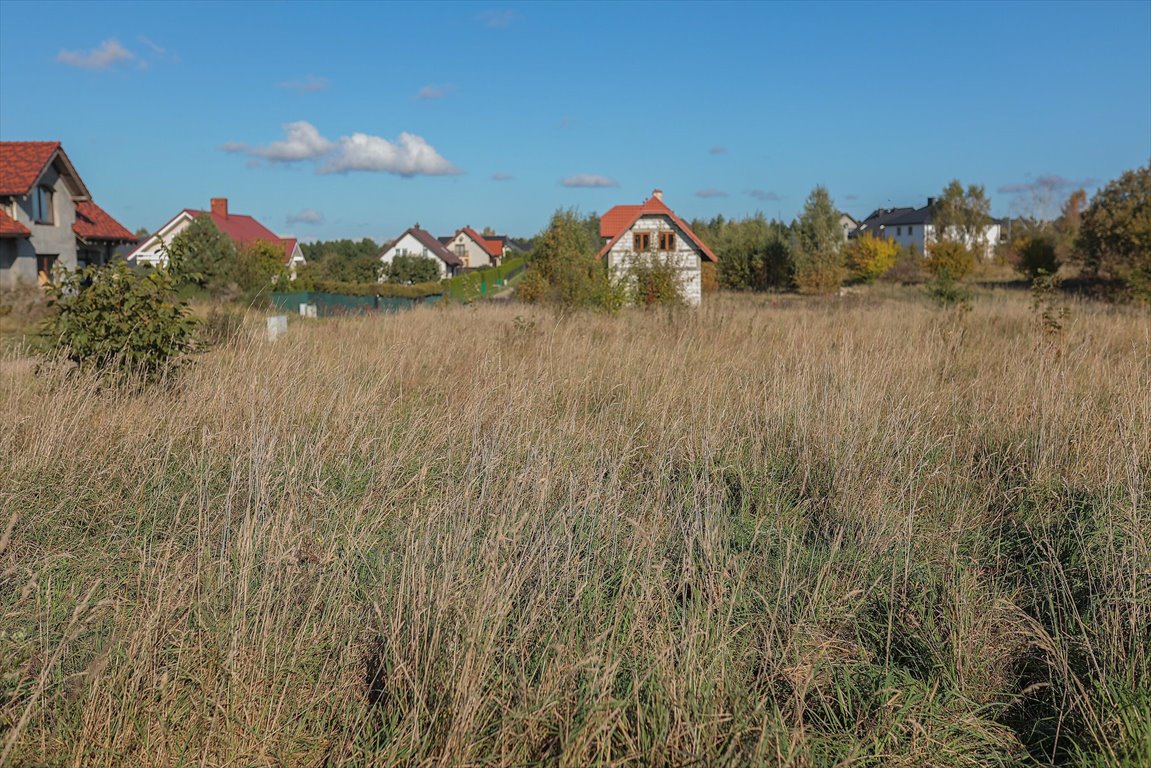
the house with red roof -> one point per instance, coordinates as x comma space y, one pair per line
241, 229
474, 249
47, 217
652, 230
420, 242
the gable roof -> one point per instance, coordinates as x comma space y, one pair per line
243, 230
493, 246
621, 218
94, 223
429, 241
22, 163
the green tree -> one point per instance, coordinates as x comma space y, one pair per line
1037, 255
961, 216
202, 255
345, 261
413, 269
819, 262
1114, 238
259, 265
754, 253
565, 258
118, 319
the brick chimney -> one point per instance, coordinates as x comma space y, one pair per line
220, 207
657, 194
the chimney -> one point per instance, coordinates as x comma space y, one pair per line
220, 207
657, 194
931, 202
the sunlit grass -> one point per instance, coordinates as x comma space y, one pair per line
770, 532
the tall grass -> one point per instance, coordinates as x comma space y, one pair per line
812, 534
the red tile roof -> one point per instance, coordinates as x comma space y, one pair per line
94, 223
243, 230
289, 244
9, 227
21, 163
617, 220
493, 247
620, 219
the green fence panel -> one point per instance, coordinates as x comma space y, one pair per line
339, 304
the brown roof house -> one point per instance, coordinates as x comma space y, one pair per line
420, 242
47, 217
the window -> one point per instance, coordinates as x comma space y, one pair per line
42, 205
641, 241
667, 241
462, 251
899, 231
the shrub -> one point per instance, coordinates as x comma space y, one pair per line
412, 269
816, 277
949, 260
708, 277
1036, 256
870, 257
653, 281
114, 318
258, 266
532, 288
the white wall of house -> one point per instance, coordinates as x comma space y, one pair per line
410, 246
917, 236
686, 255
469, 251
151, 252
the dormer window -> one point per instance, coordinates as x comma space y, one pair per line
42, 209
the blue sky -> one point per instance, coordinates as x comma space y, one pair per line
349, 120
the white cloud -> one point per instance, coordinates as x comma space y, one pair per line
107, 54
711, 192
430, 92
306, 216
410, 155
589, 180
307, 84
499, 176
302, 142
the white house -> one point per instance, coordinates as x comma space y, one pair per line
241, 229
631, 232
847, 224
420, 242
474, 249
912, 229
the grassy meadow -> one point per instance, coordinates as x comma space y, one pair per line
772, 532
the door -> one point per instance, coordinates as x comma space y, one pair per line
45, 262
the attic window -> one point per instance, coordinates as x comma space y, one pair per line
667, 241
42, 205
641, 241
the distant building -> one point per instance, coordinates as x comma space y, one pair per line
630, 232
47, 217
475, 250
847, 224
912, 228
420, 242
240, 229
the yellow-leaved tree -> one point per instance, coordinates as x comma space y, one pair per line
870, 257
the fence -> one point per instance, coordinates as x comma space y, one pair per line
483, 282
341, 304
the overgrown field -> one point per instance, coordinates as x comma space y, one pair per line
829, 532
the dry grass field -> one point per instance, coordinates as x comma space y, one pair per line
859, 531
